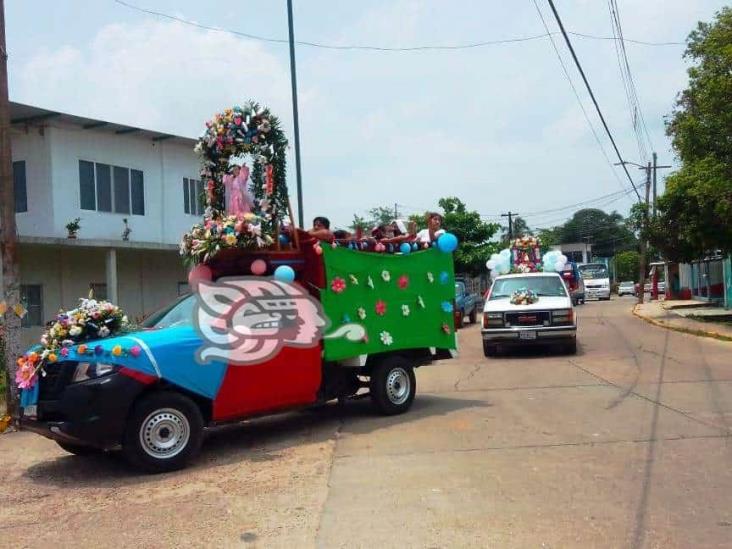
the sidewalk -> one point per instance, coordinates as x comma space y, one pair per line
683, 316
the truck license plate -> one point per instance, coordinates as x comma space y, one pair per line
527, 335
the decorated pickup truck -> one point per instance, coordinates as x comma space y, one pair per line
278, 320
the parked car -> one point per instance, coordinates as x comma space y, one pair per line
466, 304
550, 320
627, 288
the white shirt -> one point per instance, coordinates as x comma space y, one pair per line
424, 235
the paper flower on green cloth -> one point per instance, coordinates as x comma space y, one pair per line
403, 282
444, 277
353, 279
430, 277
380, 308
446, 328
405, 310
361, 313
338, 285
386, 338
370, 282
446, 306
420, 301
386, 276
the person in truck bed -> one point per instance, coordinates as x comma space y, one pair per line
433, 231
321, 229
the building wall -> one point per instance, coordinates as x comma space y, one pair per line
33, 147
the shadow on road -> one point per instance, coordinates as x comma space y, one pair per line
537, 352
257, 440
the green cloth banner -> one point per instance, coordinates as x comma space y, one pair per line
401, 301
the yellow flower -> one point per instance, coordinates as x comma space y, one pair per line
230, 239
249, 216
52, 358
117, 350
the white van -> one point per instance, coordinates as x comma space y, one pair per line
597, 280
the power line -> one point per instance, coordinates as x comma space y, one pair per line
366, 47
592, 95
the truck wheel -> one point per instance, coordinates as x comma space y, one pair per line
79, 449
393, 385
489, 350
572, 348
164, 432
473, 316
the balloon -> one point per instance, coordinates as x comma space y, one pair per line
284, 240
258, 267
284, 273
447, 243
405, 248
505, 253
199, 273
491, 264
415, 246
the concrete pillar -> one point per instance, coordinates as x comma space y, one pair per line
111, 271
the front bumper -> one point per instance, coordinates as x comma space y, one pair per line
599, 293
90, 413
544, 335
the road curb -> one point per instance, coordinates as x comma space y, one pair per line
691, 331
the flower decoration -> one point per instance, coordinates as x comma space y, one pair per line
361, 313
403, 282
81, 349
405, 310
353, 279
386, 338
446, 306
524, 296
52, 357
98, 350
370, 282
444, 277
385, 276
380, 307
430, 277
135, 350
420, 302
26, 374
117, 350
446, 328
338, 285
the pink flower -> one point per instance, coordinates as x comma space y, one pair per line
403, 282
446, 328
338, 285
64, 351
25, 376
380, 308
135, 351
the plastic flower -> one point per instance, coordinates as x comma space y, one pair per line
81, 349
430, 277
386, 338
380, 307
75, 331
444, 277
52, 357
361, 313
135, 351
446, 306
353, 279
338, 285
230, 239
386, 276
117, 350
370, 282
420, 301
405, 310
446, 328
103, 331
98, 350
25, 376
64, 352
403, 282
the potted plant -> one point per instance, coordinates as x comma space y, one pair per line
73, 227
127, 231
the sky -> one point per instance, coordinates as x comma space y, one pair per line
497, 126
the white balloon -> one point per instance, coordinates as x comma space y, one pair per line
505, 253
563, 258
491, 264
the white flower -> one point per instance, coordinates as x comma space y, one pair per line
75, 331
125, 320
386, 276
361, 313
420, 301
405, 310
386, 338
370, 282
430, 278
353, 279
103, 331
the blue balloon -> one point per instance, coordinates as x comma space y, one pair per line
284, 273
447, 243
405, 248
284, 240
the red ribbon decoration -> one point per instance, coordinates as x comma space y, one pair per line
269, 179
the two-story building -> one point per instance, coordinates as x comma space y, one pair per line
113, 177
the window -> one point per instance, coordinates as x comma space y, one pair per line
183, 288
99, 290
31, 297
106, 188
19, 187
193, 196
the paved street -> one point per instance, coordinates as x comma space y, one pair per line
624, 445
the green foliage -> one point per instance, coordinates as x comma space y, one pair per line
473, 233
695, 212
359, 223
380, 216
520, 228
549, 237
607, 233
627, 265
419, 220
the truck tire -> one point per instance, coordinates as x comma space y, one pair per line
164, 432
571, 348
393, 385
473, 318
489, 350
79, 449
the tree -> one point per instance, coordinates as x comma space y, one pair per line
695, 212
380, 216
472, 232
549, 237
607, 233
627, 265
359, 223
519, 228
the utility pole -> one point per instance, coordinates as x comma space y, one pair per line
655, 168
8, 240
510, 215
643, 241
587, 248
396, 210
295, 120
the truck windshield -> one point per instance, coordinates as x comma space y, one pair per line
459, 288
593, 271
178, 313
549, 286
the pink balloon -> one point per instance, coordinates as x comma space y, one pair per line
199, 273
259, 267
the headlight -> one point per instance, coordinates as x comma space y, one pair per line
563, 316
492, 320
92, 370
